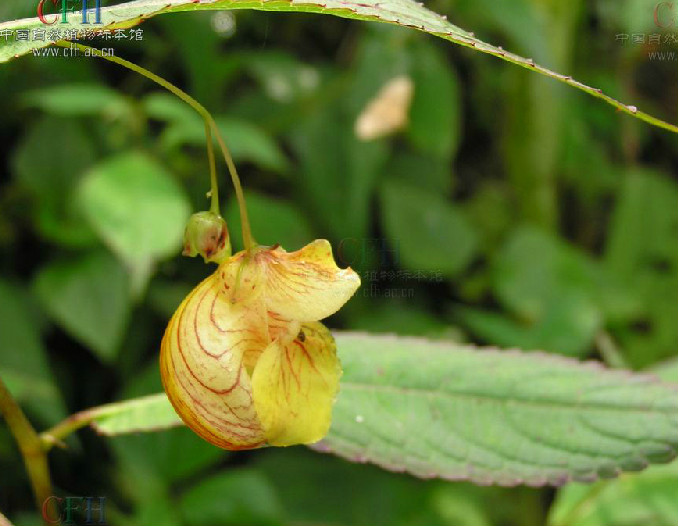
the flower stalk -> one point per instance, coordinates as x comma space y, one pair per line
210, 128
31, 447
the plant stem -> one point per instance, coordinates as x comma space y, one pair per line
609, 351
64, 428
209, 124
247, 238
78, 420
30, 445
214, 185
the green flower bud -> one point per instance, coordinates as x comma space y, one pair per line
207, 234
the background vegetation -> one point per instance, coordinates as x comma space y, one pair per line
512, 211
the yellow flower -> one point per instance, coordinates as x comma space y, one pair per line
245, 361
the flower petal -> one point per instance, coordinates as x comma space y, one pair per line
204, 355
241, 279
306, 285
294, 385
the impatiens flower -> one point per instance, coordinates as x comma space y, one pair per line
245, 361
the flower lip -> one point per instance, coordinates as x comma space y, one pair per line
306, 285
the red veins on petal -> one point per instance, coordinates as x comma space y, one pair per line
203, 369
244, 361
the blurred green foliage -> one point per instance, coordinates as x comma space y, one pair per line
511, 212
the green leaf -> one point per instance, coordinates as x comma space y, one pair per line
428, 232
144, 485
402, 317
492, 212
668, 370
166, 107
636, 16
584, 160
23, 359
567, 327
148, 413
443, 410
529, 285
51, 174
423, 171
449, 411
650, 497
208, 69
272, 220
338, 172
245, 140
252, 500
435, 113
138, 209
80, 99
89, 298
642, 253
644, 224
49, 171
172, 455
164, 296
401, 12
377, 498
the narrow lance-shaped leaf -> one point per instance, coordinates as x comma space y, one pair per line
400, 12
492, 417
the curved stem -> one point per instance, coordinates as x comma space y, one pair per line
611, 354
214, 185
248, 240
209, 124
56, 434
64, 428
30, 445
